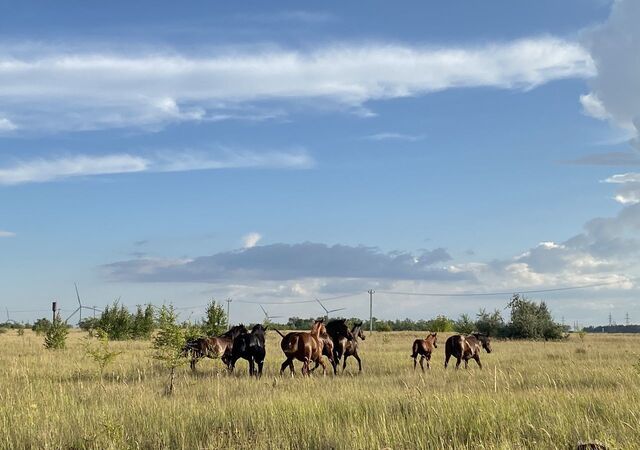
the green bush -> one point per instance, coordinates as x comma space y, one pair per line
41, 326
55, 337
169, 342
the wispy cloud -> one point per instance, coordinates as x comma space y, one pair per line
250, 240
6, 125
61, 89
394, 137
6, 234
51, 169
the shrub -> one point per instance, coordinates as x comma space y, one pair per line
142, 323
56, 335
41, 326
169, 342
100, 353
440, 323
215, 321
531, 320
116, 321
464, 325
490, 324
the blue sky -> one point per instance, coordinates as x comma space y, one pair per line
165, 153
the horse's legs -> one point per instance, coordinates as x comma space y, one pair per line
446, 360
193, 364
415, 362
344, 362
355, 355
458, 362
260, 364
422, 362
477, 358
428, 362
288, 362
252, 368
466, 363
324, 366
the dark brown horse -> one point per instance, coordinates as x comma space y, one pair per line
351, 347
304, 346
466, 348
250, 346
424, 348
213, 346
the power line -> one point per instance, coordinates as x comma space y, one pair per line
297, 302
486, 294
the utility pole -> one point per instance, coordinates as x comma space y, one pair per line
627, 321
371, 292
228, 311
54, 308
610, 320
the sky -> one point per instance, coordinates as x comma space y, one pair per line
158, 152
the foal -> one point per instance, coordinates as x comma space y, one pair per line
424, 348
351, 347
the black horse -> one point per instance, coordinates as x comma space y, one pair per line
251, 347
351, 348
340, 334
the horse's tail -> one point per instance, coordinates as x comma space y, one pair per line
278, 331
414, 349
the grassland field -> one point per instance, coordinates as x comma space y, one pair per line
529, 395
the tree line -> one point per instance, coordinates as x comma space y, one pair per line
527, 320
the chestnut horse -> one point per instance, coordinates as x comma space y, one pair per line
213, 347
466, 348
424, 348
304, 346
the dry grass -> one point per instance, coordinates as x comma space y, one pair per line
549, 395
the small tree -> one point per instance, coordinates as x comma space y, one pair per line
143, 323
441, 323
169, 342
464, 324
489, 323
215, 322
116, 321
56, 335
101, 353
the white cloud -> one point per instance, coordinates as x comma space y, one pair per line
6, 234
42, 170
629, 192
106, 90
250, 240
592, 106
7, 125
614, 47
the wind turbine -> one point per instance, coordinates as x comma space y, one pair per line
267, 317
80, 307
328, 311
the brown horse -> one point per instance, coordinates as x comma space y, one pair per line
466, 348
424, 348
213, 347
351, 347
304, 346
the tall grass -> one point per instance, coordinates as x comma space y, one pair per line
530, 395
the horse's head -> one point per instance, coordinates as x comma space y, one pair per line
236, 331
259, 329
484, 340
318, 328
359, 332
434, 339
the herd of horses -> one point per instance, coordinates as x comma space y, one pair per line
333, 340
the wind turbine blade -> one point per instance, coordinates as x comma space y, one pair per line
334, 310
264, 311
78, 294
